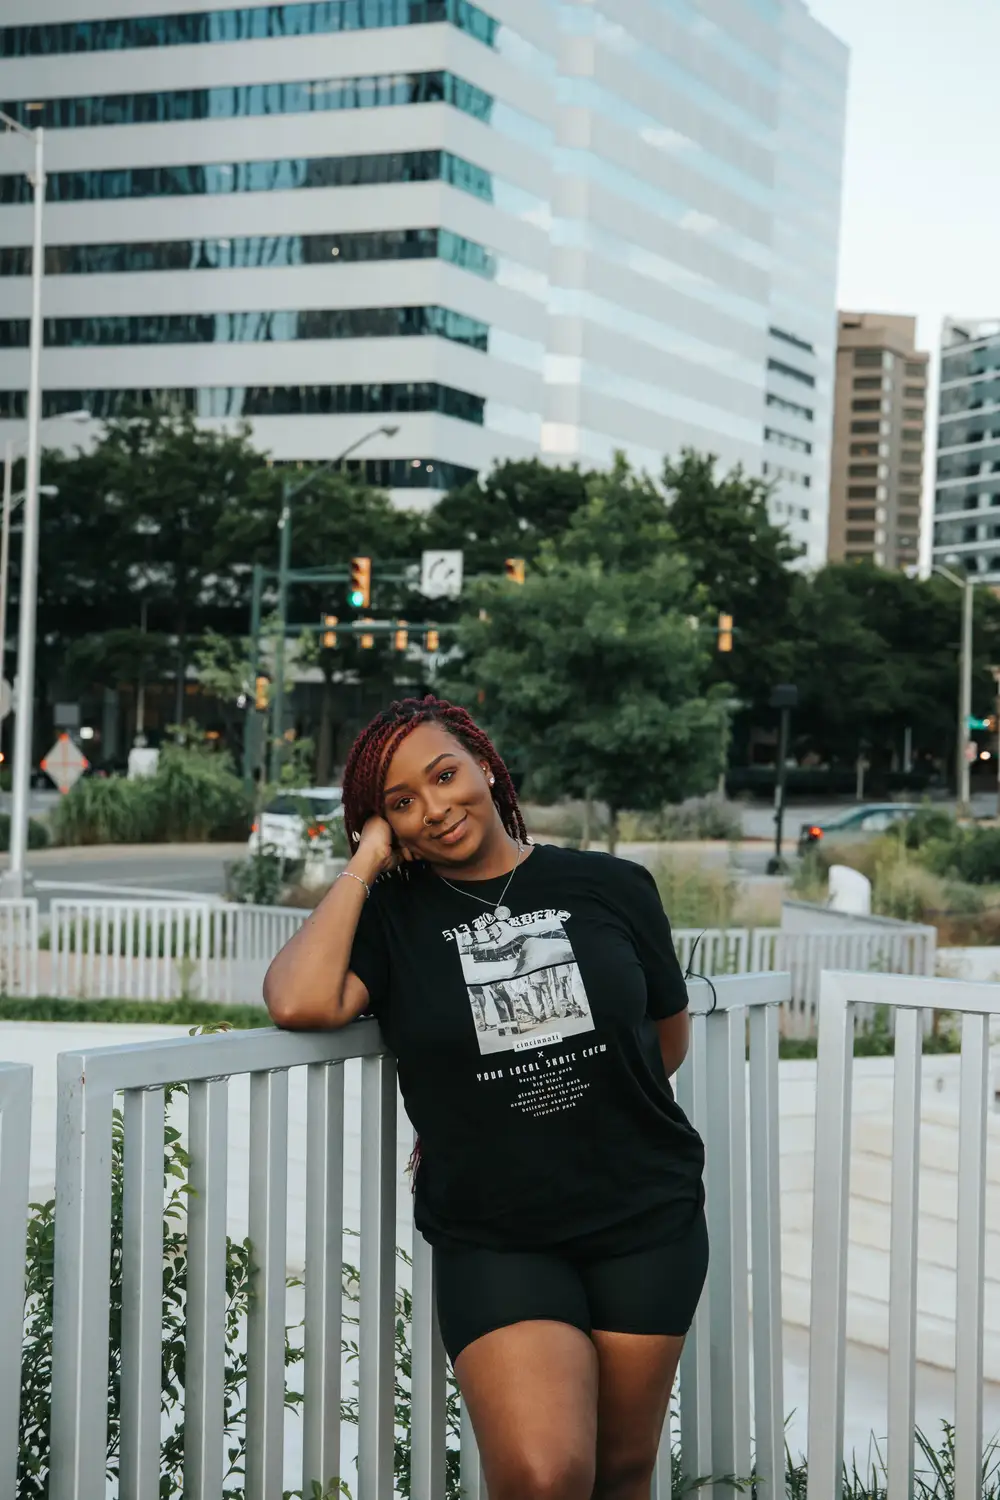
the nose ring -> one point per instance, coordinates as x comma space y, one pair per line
428, 822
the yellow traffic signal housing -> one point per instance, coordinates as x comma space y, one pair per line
401, 639
367, 641
725, 633
432, 641
514, 568
360, 593
329, 633
262, 694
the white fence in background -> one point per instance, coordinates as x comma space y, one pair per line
804, 955
107, 949
15, 1140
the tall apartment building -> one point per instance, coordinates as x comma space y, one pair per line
511, 228
879, 435
967, 490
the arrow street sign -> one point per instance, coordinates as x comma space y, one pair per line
441, 575
65, 763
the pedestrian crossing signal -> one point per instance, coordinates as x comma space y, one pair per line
262, 694
367, 640
329, 632
725, 634
514, 568
432, 641
401, 639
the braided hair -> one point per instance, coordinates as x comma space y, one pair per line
368, 763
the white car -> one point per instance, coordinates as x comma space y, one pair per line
295, 819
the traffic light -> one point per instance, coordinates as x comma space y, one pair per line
367, 641
725, 633
401, 639
432, 641
360, 592
514, 568
262, 694
329, 633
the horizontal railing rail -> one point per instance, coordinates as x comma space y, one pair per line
909, 999
15, 1142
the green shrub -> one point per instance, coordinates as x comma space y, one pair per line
693, 896
135, 1012
700, 818
257, 880
38, 834
972, 856
927, 823
193, 797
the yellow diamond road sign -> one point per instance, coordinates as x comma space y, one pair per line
65, 763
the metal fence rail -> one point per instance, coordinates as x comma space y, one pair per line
716, 1372
804, 955
15, 1143
19, 947
910, 999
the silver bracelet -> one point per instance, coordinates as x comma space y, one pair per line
357, 878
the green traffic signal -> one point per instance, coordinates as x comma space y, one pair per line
355, 598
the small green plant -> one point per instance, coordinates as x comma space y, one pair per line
694, 896
188, 1012
258, 879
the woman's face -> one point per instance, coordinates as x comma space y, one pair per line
438, 800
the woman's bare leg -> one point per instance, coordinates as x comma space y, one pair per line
531, 1391
636, 1376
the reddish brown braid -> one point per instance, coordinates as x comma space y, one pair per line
368, 763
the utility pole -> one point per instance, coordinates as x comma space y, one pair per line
785, 697
965, 701
278, 701
252, 722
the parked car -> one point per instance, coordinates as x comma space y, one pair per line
294, 818
861, 822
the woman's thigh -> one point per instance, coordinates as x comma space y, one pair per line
636, 1376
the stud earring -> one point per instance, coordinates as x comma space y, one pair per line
493, 781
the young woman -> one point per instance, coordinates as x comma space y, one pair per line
533, 1000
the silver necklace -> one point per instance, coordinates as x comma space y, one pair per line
499, 910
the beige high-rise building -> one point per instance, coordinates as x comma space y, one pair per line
879, 432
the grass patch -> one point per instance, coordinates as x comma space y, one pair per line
135, 1012
694, 896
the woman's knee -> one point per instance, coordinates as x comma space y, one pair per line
543, 1475
625, 1475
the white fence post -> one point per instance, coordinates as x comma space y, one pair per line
15, 1147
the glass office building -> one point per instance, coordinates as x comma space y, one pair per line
967, 485
522, 227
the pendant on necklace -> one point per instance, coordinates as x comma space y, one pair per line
503, 912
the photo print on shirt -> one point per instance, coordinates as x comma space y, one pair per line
524, 984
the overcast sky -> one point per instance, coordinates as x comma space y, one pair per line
921, 221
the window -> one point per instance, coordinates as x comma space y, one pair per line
970, 533
243, 23
914, 392
913, 413
911, 456
259, 401
865, 426
224, 102
857, 534
790, 338
909, 476
251, 327
861, 492
868, 359
909, 497
790, 371
864, 450
278, 175
786, 440
863, 471
791, 476
781, 404
868, 382
861, 513
254, 250
916, 368
866, 405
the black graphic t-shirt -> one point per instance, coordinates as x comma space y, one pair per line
529, 1063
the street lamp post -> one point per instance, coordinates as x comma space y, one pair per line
288, 493
13, 883
963, 767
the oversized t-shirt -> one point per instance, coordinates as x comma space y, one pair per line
529, 1062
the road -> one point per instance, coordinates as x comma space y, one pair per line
116, 870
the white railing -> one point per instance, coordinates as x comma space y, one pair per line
15, 1138
910, 1000
19, 948
804, 955
163, 950
717, 1367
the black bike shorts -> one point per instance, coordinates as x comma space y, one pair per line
653, 1290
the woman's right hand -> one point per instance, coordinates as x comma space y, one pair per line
376, 852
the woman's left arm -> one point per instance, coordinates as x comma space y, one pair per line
675, 1035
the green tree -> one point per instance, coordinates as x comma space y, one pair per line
744, 564
510, 512
592, 674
